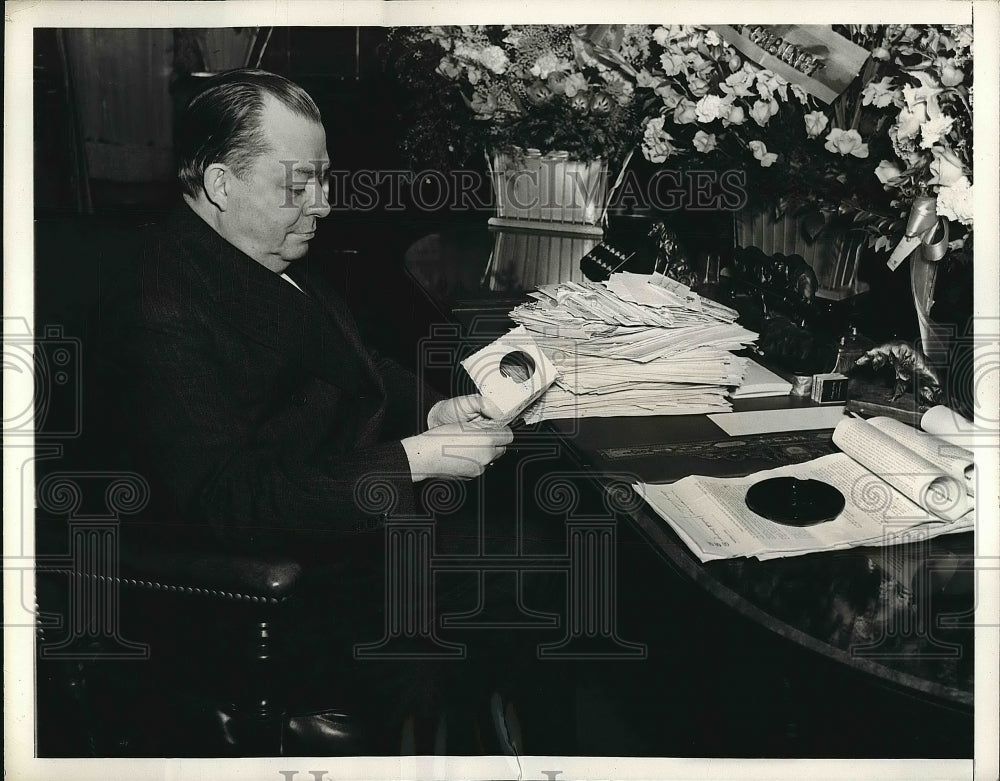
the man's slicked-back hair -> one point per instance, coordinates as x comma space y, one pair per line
222, 123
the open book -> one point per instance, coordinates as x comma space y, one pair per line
899, 485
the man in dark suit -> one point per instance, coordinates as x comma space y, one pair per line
254, 403
242, 386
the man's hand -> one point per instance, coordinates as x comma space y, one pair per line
461, 409
455, 450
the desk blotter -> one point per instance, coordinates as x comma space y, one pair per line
784, 447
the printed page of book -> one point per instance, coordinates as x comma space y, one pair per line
916, 477
947, 424
711, 515
708, 527
951, 459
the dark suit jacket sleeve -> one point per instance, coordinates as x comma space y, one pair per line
410, 401
221, 467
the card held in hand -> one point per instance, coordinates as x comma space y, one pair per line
511, 373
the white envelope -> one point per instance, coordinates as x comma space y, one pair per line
512, 372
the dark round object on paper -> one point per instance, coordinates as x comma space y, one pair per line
795, 502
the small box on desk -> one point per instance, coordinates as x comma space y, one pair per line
829, 388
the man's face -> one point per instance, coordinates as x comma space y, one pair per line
273, 209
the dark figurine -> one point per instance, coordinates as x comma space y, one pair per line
909, 364
670, 256
801, 277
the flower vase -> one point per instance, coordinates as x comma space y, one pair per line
536, 191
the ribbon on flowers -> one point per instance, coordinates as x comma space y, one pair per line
926, 239
780, 48
924, 230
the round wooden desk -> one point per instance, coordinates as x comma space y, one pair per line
902, 614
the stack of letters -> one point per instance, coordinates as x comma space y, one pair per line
633, 345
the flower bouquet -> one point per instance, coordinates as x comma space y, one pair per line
550, 105
901, 130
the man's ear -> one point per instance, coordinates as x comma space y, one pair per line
217, 183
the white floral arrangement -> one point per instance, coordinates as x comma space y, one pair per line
685, 96
905, 123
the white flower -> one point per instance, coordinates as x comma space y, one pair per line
886, 171
514, 38
955, 202
962, 35
816, 122
484, 103
704, 142
710, 108
494, 58
660, 35
673, 63
736, 116
920, 105
946, 167
769, 82
909, 120
952, 76
878, 93
800, 94
646, 79
449, 68
656, 146
685, 112
762, 112
760, 152
698, 85
712, 38
932, 130
846, 142
905, 148
926, 94
739, 83
575, 82
465, 51
547, 63
669, 95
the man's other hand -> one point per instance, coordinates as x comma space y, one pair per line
455, 450
461, 409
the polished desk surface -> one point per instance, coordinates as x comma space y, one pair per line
903, 613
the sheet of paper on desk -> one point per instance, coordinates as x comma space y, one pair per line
737, 424
560, 404
711, 516
642, 345
760, 382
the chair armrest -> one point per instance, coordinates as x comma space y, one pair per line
227, 576
185, 566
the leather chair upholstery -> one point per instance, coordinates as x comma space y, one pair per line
190, 663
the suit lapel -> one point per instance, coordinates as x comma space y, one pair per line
330, 304
308, 328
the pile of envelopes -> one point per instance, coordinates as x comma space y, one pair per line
636, 344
